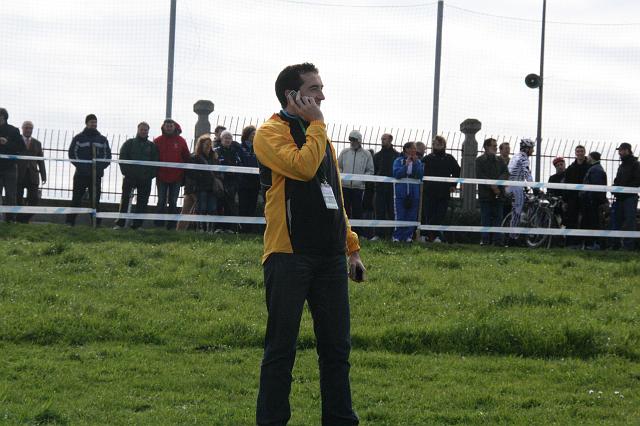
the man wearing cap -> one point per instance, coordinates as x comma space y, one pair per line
626, 204
30, 172
384, 197
358, 161
592, 202
558, 177
575, 174
84, 146
10, 144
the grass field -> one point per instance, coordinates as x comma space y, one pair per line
153, 327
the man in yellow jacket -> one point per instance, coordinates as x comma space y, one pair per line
305, 242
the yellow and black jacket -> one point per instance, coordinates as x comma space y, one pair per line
294, 156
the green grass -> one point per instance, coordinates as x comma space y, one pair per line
153, 327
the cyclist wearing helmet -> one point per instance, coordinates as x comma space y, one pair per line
519, 171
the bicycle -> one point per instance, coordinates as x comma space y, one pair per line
538, 211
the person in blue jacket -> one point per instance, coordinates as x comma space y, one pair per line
82, 148
407, 195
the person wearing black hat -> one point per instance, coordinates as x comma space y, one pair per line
592, 202
83, 147
626, 205
11, 143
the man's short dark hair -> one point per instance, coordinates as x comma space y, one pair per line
595, 155
503, 144
289, 79
90, 117
407, 145
219, 129
488, 141
4, 113
578, 147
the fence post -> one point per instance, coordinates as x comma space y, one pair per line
203, 108
469, 127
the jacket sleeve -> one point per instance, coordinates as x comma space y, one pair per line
106, 155
635, 178
41, 166
369, 169
399, 169
125, 154
504, 171
480, 170
418, 169
73, 155
455, 169
280, 154
341, 161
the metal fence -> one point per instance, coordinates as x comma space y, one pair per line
60, 174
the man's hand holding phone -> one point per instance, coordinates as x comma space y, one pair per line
304, 106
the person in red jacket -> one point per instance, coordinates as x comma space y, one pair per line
173, 149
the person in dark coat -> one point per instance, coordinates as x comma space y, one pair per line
490, 166
384, 198
575, 173
228, 155
592, 201
30, 172
203, 181
83, 145
436, 195
11, 143
249, 183
137, 177
626, 205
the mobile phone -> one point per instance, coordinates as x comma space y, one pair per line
359, 274
293, 94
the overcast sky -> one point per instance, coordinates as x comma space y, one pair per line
64, 59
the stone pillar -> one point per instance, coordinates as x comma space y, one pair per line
469, 127
203, 109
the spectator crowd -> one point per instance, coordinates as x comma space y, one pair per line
209, 192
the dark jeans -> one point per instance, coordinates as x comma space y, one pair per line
491, 214
9, 181
435, 212
289, 280
230, 208
82, 184
572, 219
353, 204
143, 189
591, 220
626, 210
32, 199
247, 203
206, 205
384, 200
167, 193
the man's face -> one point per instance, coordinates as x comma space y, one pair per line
312, 86
439, 146
386, 140
355, 143
505, 150
624, 152
560, 167
143, 131
580, 154
492, 148
169, 127
92, 124
529, 152
411, 151
226, 140
27, 129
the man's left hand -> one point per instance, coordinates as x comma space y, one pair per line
356, 263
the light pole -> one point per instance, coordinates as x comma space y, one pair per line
172, 45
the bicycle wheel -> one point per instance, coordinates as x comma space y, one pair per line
542, 219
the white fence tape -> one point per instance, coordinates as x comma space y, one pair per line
534, 231
45, 210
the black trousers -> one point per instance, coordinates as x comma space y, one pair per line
9, 181
32, 199
384, 204
572, 219
143, 189
290, 279
82, 184
247, 202
353, 204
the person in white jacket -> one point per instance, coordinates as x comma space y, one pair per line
519, 171
354, 160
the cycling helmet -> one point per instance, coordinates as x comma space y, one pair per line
526, 143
